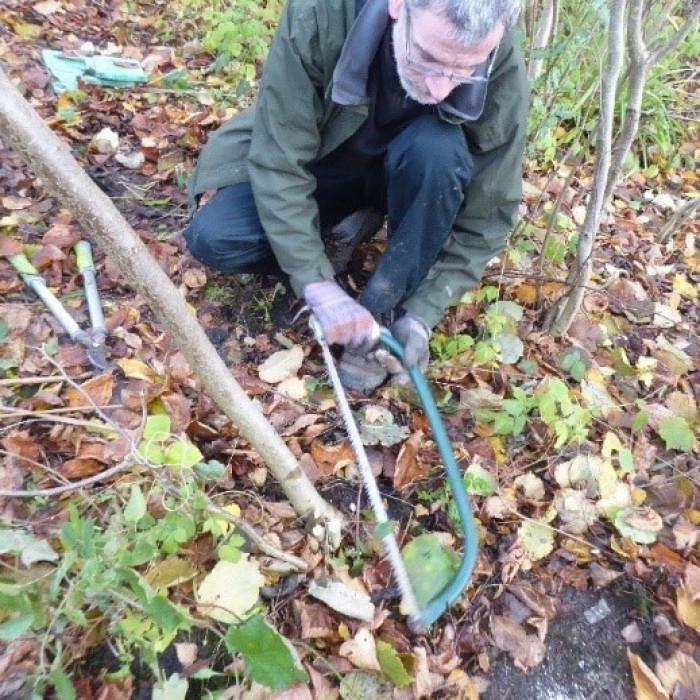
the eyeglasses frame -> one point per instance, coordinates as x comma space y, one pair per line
437, 72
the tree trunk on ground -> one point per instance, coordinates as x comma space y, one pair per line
51, 160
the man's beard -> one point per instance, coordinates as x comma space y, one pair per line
413, 88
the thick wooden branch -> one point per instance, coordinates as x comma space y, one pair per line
22, 128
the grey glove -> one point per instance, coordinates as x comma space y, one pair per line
414, 335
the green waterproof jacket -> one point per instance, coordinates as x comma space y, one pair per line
312, 98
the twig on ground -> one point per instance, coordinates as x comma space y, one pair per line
22, 381
58, 490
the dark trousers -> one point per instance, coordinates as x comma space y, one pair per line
419, 185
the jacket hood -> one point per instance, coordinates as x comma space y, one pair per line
351, 74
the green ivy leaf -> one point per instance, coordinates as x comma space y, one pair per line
166, 615
430, 566
62, 685
479, 481
268, 660
213, 470
156, 428
136, 507
626, 460
677, 434
181, 455
15, 627
391, 665
383, 529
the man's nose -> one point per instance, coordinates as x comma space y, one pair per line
438, 86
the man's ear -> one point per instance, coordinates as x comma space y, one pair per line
395, 7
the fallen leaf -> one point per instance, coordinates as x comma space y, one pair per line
692, 582
377, 427
359, 685
293, 388
136, 369
30, 548
679, 673
430, 566
575, 510
361, 651
525, 649
99, 389
408, 468
343, 599
536, 538
47, 7
80, 467
281, 365
532, 486
170, 572
230, 590
647, 685
329, 458
688, 610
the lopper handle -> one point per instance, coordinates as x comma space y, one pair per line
86, 265
33, 280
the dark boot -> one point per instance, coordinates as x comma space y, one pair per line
345, 236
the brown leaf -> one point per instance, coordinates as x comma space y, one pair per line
525, 649
48, 255
16, 316
646, 684
408, 468
688, 610
9, 246
79, 468
99, 389
316, 621
22, 444
298, 691
680, 674
692, 581
329, 457
93, 449
179, 408
61, 235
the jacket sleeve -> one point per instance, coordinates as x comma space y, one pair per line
285, 140
496, 141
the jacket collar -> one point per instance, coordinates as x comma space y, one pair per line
351, 74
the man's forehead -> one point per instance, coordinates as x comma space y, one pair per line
432, 32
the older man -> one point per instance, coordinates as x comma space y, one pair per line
413, 110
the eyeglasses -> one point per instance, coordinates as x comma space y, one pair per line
436, 72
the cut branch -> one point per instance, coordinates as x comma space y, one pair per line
22, 128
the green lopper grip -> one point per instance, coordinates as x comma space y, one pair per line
21, 263
83, 256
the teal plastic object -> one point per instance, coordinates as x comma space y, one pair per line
454, 589
67, 68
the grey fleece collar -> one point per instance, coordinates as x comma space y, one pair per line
351, 74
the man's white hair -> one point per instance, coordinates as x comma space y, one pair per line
472, 19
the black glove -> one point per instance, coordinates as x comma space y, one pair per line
414, 335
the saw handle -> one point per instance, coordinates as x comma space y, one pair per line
454, 589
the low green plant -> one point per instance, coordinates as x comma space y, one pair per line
237, 34
111, 571
551, 402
